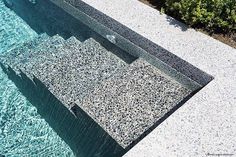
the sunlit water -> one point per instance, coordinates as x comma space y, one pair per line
23, 132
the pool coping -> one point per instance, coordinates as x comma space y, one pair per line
205, 124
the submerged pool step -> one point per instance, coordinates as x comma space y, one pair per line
62, 75
16, 55
84, 136
27, 56
37, 51
132, 101
123, 101
71, 76
47, 52
68, 68
46, 47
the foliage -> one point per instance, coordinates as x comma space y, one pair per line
214, 15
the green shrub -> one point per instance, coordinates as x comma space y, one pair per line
214, 15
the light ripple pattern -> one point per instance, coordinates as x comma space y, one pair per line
23, 132
13, 30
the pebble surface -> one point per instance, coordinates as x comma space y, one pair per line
130, 102
71, 76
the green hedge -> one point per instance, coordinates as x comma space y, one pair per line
214, 15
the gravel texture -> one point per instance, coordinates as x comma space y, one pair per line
133, 100
71, 76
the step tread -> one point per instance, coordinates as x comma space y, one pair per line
18, 53
49, 52
82, 67
130, 102
46, 47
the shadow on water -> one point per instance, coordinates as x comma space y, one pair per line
84, 136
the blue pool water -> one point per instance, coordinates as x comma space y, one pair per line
23, 132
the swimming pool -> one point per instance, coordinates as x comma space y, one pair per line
23, 132
66, 53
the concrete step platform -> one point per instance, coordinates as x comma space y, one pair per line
132, 101
37, 54
48, 52
72, 75
27, 58
95, 90
42, 49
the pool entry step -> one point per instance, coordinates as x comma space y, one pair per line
99, 104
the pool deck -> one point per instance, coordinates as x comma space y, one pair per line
206, 124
